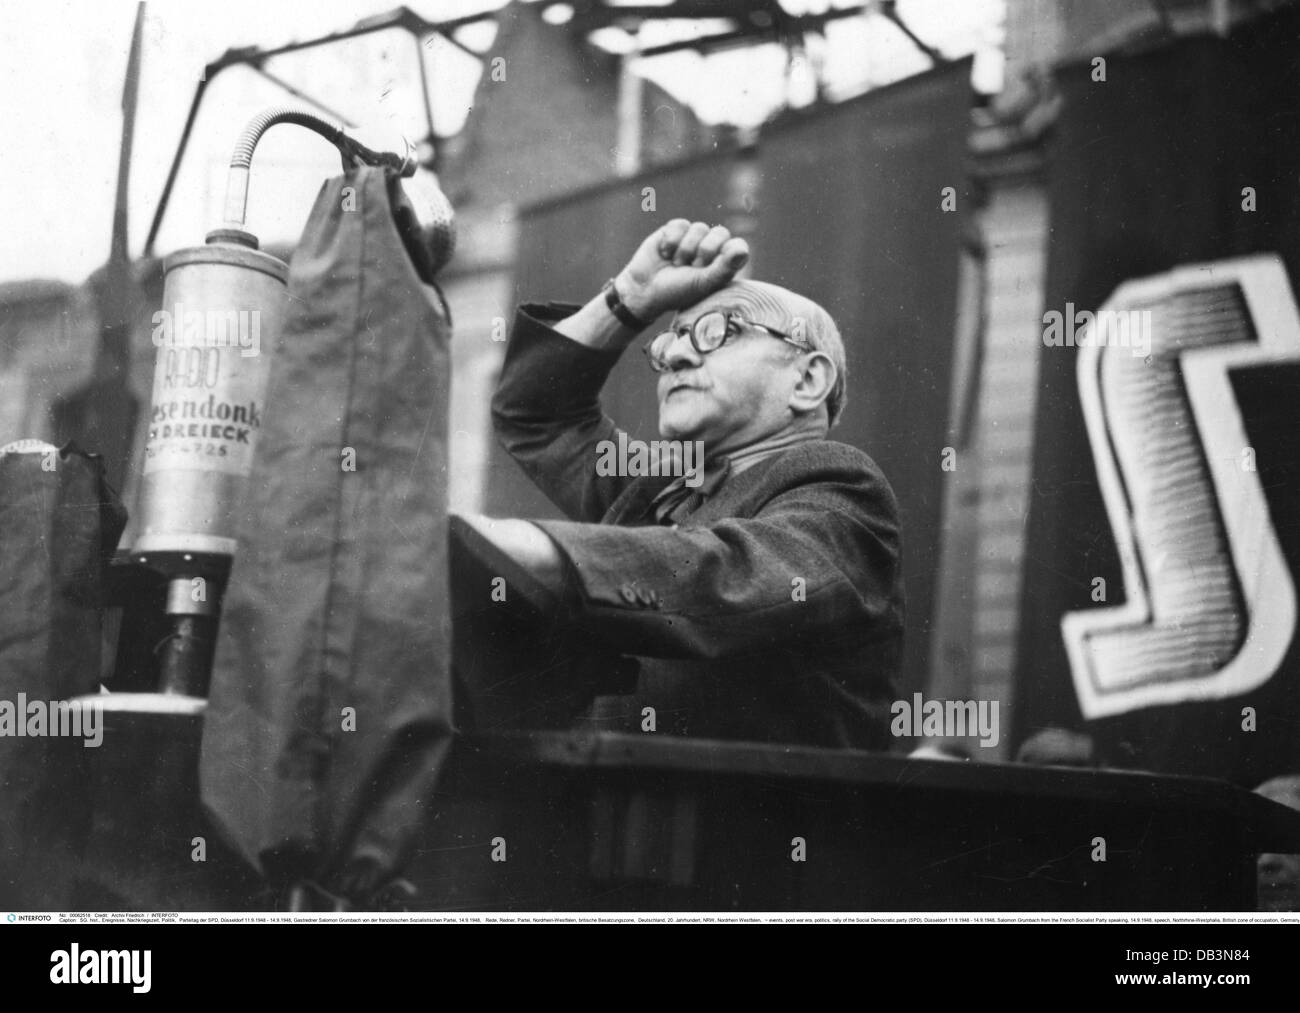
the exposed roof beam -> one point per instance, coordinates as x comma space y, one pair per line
889, 8
790, 27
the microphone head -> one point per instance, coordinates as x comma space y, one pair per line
426, 221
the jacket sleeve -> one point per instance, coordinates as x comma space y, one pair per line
547, 413
820, 561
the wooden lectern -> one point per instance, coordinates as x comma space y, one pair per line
533, 816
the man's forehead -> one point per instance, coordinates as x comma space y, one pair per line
766, 303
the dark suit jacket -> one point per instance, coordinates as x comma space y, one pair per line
727, 643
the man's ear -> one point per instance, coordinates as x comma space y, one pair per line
815, 382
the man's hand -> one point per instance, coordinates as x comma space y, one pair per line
678, 265
526, 543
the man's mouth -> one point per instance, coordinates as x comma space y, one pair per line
678, 386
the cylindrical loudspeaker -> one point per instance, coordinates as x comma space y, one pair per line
223, 309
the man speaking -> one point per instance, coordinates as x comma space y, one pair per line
759, 588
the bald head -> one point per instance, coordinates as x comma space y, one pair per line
791, 313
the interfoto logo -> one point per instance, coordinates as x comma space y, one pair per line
637, 458
952, 719
211, 328
1113, 328
102, 967
55, 719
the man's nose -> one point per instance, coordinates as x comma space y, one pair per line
681, 354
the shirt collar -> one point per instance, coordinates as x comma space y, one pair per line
751, 455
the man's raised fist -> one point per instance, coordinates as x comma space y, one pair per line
679, 264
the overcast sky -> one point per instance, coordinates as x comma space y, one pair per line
61, 81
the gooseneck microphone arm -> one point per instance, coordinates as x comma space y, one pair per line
352, 151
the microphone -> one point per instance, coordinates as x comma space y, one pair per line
425, 220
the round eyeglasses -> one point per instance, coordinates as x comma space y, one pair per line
709, 333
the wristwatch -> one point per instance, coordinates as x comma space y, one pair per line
625, 316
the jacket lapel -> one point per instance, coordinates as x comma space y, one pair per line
730, 500
633, 505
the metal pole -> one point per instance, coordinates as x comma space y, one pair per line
628, 157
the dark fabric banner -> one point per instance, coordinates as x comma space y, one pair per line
59, 523
330, 705
842, 205
1148, 170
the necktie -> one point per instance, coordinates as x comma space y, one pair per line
677, 500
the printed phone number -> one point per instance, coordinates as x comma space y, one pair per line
201, 449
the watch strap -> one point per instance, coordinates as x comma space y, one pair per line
624, 315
